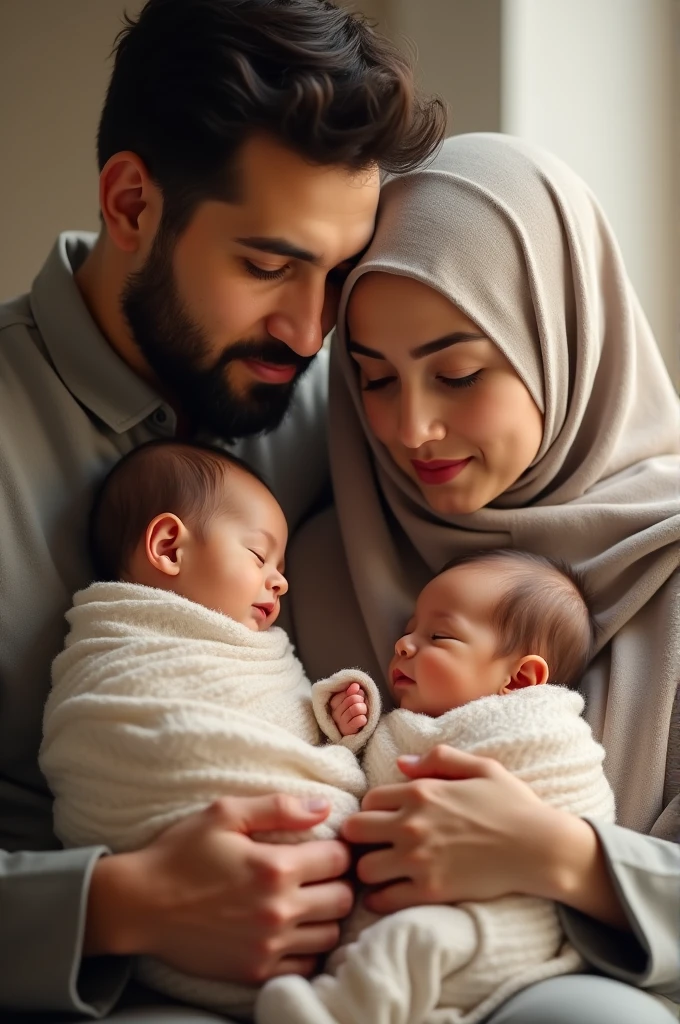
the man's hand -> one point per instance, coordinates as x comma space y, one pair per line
349, 709
208, 900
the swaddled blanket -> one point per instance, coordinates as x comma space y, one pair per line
455, 964
160, 706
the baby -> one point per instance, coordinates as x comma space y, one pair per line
488, 633
176, 688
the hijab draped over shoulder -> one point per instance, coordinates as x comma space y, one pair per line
518, 242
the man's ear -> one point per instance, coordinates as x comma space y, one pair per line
529, 671
130, 201
165, 543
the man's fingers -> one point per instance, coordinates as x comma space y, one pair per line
369, 827
306, 966
443, 762
314, 939
267, 813
321, 860
325, 902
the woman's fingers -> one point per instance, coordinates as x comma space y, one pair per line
379, 866
369, 827
444, 762
393, 897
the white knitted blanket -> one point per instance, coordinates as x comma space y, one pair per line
160, 706
456, 964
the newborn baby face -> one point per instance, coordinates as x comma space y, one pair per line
447, 656
237, 567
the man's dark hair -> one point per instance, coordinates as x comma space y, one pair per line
162, 476
193, 79
545, 609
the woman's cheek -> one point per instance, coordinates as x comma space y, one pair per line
379, 419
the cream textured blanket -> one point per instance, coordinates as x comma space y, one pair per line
160, 706
455, 964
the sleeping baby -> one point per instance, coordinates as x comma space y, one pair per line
175, 687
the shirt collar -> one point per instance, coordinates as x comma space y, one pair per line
83, 358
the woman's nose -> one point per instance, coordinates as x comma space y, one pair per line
419, 422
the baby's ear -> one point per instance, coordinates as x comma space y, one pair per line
529, 671
165, 538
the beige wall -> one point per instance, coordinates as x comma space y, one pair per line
53, 75
498, 63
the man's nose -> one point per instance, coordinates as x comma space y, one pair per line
297, 320
418, 421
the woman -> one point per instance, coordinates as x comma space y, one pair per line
495, 383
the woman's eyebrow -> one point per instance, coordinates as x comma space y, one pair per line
420, 351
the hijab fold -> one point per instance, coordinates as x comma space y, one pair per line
517, 241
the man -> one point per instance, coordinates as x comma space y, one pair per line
239, 147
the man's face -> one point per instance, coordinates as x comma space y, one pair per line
231, 313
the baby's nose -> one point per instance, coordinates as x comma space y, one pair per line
405, 646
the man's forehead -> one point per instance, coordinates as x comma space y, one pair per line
327, 211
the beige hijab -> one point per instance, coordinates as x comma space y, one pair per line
518, 242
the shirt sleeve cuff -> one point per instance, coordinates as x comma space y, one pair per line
646, 875
44, 903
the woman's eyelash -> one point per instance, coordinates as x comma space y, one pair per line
378, 383
264, 275
450, 382
461, 382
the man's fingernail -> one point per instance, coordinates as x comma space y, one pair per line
410, 758
315, 804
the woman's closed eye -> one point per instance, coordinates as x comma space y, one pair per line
450, 382
377, 384
460, 382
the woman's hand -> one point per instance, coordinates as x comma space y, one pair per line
467, 829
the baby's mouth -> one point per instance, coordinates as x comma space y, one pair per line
400, 678
264, 610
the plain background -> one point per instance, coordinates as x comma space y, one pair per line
596, 81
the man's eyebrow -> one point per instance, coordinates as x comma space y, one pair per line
279, 247
420, 351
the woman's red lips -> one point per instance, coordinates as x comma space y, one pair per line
439, 471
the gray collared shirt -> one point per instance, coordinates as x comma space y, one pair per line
69, 409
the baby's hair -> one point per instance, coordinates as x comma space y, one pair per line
162, 476
545, 609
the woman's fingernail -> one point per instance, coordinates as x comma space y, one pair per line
316, 803
409, 758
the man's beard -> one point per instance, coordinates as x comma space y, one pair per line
176, 349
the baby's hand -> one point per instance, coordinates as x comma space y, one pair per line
349, 710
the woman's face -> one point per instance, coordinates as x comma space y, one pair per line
441, 397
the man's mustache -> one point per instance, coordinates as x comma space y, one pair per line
267, 351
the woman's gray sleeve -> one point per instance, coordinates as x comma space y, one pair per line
646, 873
43, 900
